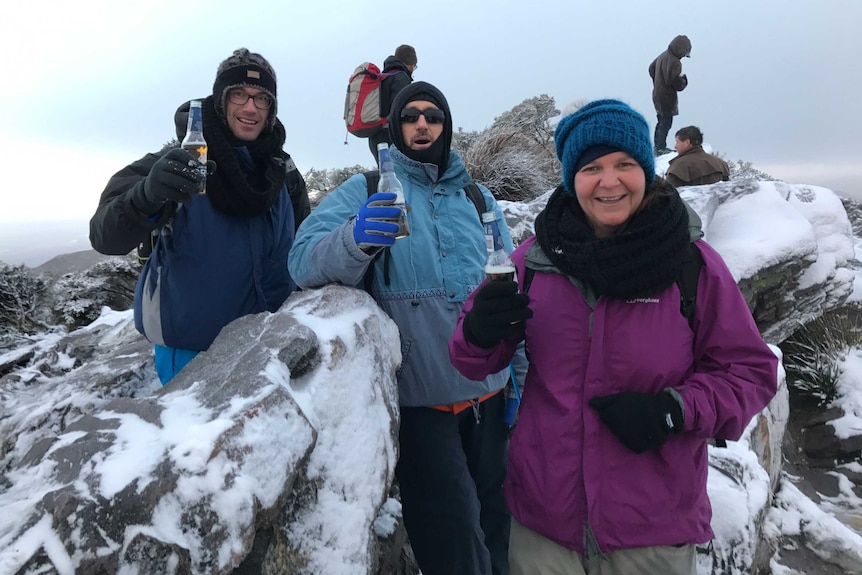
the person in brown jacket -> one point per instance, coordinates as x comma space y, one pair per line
693, 166
668, 79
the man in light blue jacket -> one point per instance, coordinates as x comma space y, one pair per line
452, 437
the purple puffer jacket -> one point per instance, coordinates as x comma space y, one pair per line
569, 476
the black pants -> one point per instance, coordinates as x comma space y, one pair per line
451, 470
661, 131
373, 140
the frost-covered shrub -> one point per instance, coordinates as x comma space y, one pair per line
812, 355
741, 170
514, 157
79, 297
321, 182
21, 299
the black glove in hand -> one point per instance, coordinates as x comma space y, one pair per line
641, 421
498, 311
174, 177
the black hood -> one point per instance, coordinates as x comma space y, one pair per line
438, 153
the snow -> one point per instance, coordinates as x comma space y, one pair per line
775, 218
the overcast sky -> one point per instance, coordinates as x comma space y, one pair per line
94, 84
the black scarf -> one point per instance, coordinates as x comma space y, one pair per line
231, 189
639, 260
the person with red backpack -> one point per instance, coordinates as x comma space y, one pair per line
402, 63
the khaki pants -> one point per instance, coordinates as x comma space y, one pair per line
532, 554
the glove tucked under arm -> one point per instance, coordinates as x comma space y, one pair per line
498, 311
641, 421
176, 176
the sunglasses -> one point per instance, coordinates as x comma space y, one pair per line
432, 115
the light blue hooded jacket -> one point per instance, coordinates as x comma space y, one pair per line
432, 271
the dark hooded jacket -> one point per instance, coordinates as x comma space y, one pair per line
667, 76
695, 168
391, 85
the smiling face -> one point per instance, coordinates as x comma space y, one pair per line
610, 189
419, 135
246, 121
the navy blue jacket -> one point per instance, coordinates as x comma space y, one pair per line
207, 268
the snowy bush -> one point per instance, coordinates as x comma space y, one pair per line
812, 355
79, 297
514, 157
741, 170
21, 297
321, 182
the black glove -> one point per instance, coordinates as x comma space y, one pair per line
174, 177
641, 421
498, 311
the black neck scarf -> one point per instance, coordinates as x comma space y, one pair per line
641, 259
231, 189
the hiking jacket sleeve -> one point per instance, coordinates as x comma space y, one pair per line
117, 227
673, 179
324, 250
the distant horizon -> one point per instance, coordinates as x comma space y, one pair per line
22, 244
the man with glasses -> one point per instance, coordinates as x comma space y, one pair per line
401, 65
217, 255
452, 437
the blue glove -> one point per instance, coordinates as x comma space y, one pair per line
377, 221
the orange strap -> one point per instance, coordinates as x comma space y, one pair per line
462, 405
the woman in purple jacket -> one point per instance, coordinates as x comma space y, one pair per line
608, 463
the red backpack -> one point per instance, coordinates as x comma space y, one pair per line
362, 102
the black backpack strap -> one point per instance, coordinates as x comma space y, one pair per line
372, 178
527, 279
687, 282
475, 194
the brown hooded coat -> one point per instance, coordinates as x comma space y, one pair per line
695, 167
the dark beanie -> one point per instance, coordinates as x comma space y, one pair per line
245, 69
602, 127
438, 153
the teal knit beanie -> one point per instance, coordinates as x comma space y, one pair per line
609, 123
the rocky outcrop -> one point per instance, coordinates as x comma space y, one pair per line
248, 460
274, 451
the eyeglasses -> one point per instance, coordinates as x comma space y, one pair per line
432, 115
240, 97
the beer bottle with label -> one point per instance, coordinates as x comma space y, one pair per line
498, 265
194, 141
389, 182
